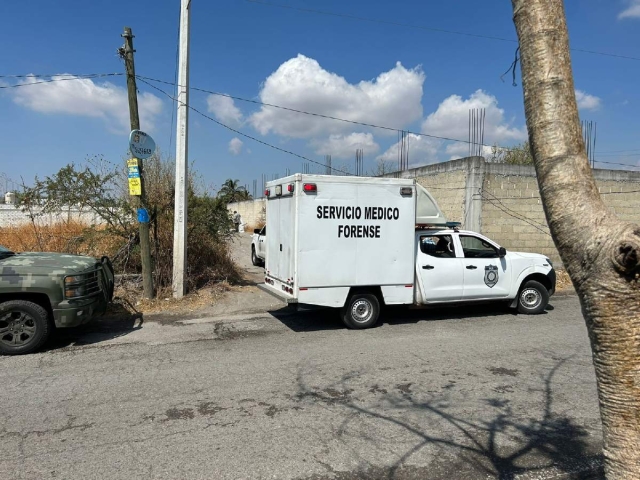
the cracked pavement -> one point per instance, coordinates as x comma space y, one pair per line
448, 393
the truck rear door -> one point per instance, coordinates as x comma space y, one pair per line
280, 241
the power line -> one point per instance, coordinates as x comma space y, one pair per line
619, 155
60, 78
618, 151
315, 114
614, 163
424, 27
238, 131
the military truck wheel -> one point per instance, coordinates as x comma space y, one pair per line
361, 311
24, 327
533, 298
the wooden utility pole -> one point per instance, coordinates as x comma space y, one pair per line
180, 212
138, 201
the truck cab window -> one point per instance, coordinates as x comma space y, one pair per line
474, 247
439, 246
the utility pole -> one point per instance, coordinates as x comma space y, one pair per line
180, 212
138, 201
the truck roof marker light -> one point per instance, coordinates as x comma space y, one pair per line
278, 190
303, 289
310, 187
267, 192
290, 188
406, 192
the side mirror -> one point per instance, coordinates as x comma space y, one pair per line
502, 252
257, 231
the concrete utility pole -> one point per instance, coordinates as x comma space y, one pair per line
180, 213
138, 201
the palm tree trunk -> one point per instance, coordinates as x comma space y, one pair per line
600, 252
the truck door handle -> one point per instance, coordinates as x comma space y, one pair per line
471, 267
428, 267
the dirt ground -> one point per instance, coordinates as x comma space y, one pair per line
221, 299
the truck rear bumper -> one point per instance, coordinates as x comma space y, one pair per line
275, 293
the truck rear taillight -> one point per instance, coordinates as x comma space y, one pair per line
310, 187
290, 188
267, 192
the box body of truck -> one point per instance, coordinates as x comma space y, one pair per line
331, 234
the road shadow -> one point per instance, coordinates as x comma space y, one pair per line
120, 320
502, 445
314, 320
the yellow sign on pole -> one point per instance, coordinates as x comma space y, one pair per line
132, 162
135, 187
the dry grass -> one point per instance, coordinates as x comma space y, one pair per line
130, 297
68, 237
563, 281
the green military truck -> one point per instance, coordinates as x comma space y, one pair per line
43, 291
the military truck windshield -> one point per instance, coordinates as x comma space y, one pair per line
4, 252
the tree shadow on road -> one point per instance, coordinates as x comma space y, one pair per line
121, 319
506, 446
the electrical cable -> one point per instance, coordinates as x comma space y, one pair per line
238, 131
422, 27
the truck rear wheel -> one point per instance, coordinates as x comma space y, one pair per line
361, 311
24, 327
533, 298
254, 258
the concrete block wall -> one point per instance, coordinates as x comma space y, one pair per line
503, 202
252, 212
12, 215
447, 183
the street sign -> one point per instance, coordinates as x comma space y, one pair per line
143, 215
135, 187
141, 144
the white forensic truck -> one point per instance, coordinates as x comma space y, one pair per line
358, 244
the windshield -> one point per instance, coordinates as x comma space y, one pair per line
5, 252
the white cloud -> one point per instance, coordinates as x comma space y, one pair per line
451, 120
632, 11
344, 146
84, 97
224, 109
460, 150
235, 146
393, 98
586, 101
422, 150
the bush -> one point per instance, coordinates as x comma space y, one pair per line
102, 189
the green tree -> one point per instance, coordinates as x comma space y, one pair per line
600, 252
231, 191
518, 155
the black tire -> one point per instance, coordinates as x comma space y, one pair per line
254, 258
533, 298
24, 327
361, 311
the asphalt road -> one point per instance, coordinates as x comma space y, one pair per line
466, 393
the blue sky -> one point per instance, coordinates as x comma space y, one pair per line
396, 76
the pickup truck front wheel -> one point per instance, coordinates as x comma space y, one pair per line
533, 298
24, 327
361, 311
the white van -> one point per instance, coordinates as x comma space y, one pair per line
359, 243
